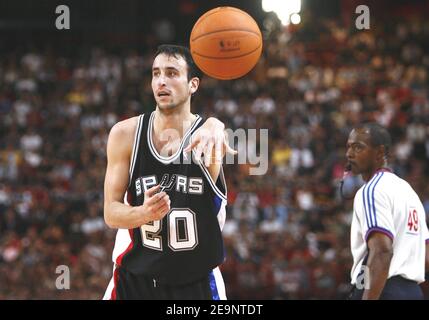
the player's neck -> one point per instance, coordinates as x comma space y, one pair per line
368, 176
179, 119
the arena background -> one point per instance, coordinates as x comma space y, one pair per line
287, 232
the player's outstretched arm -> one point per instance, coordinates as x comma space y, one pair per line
116, 213
380, 255
211, 140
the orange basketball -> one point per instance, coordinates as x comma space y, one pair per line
226, 43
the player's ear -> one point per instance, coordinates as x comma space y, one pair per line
193, 85
381, 152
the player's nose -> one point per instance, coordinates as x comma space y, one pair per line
349, 153
161, 81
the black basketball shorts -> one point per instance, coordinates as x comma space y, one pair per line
129, 286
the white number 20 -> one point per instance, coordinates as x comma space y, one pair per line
177, 242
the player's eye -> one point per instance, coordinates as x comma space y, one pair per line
357, 148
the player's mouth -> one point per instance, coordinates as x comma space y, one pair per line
350, 164
162, 94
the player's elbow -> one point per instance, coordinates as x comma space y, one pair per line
108, 221
384, 253
108, 217
380, 246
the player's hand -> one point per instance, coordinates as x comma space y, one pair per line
212, 140
156, 204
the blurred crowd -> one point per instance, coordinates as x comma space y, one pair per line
287, 231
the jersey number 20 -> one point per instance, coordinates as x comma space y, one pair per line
177, 241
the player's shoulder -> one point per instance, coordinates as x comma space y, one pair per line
390, 185
389, 180
124, 129
121, 137
385, 178
381, 182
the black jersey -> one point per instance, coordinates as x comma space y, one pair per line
187, 243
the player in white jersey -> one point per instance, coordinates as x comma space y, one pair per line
389, 231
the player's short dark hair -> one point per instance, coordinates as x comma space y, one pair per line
378, 136
175, 50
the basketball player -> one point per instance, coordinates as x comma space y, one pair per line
169, 243
389, 230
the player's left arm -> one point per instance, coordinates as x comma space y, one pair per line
380, 255
426, 237
211, 140
427, 260
379, 234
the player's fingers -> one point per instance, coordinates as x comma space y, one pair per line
156, 198
162, 210
166, 207
218, 151
198, 152
150, 192
229, 149
208, 151
226, 146
161, 200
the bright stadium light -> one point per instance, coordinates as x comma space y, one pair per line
283, 9
295, 18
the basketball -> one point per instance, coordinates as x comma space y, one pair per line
226, 43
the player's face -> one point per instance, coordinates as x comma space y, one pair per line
170, 84
360, 154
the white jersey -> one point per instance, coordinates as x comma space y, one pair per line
389, 205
